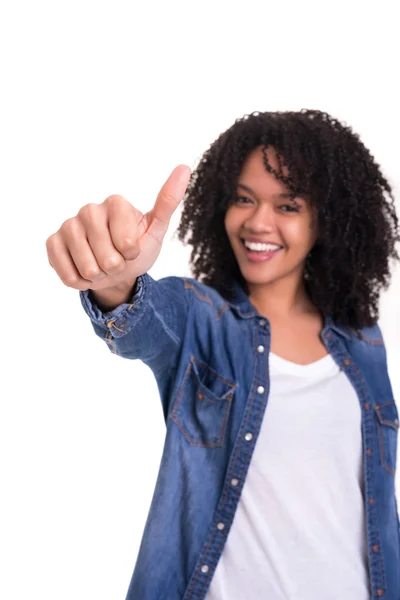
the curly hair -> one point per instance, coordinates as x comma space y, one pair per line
326, 160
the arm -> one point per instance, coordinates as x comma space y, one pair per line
150, 327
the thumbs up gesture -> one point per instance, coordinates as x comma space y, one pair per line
109, 245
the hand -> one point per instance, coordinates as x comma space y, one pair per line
110, 244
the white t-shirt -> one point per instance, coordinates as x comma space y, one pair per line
299, 530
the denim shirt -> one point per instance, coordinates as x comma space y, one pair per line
210, 360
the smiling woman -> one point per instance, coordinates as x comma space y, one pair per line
277, 475
324, 169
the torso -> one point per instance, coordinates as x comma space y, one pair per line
298, 340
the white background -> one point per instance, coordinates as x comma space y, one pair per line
108, 97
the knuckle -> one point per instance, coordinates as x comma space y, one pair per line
128, 246
88, 210
127, 243
114, 199
90, 272
113, 263
70, 280
70, 226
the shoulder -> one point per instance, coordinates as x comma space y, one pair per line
180, 289
202, 292
198, 295
370, 335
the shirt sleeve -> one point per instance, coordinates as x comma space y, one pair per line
150, 327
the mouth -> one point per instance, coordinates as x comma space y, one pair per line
260, 255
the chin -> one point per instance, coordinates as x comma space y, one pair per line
266, 275
260, 278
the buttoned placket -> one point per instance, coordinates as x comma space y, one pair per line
345, 363
237, 470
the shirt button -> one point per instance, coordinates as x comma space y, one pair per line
262, 322
260, 389
221, 526
204, 569
234, 481
248, 436
260, 349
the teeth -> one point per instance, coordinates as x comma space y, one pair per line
260, 247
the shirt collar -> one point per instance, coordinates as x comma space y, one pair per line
242, 305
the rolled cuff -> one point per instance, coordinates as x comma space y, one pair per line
121, 319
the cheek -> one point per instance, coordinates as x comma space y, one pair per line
295, 232
300, 233
231, 224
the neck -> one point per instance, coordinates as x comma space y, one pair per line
281, 299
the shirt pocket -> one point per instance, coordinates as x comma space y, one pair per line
388, 425
201, 409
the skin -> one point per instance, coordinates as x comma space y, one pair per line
277, 286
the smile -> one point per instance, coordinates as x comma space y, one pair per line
260, 252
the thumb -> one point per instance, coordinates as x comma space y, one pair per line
170, 195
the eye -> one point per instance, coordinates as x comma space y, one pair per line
238, 199
291, 208
294, 207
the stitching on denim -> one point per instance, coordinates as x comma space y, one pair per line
210, 444
190, 286
378, 342
381, 422
111, 324
373, 512
228, 400
224, 307
382, 451
224, 497
200, 362
387, 421
191, 442
248, 449
222, 310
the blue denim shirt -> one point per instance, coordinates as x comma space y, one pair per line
210, 360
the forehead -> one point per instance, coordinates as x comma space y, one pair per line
256, 156
262, 183
254, 170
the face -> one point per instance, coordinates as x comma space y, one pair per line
265, 212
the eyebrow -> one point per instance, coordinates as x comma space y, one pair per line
283, 195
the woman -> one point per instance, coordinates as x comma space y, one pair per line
278, 473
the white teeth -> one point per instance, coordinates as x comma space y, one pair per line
261, 247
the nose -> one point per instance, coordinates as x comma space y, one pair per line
261, 220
